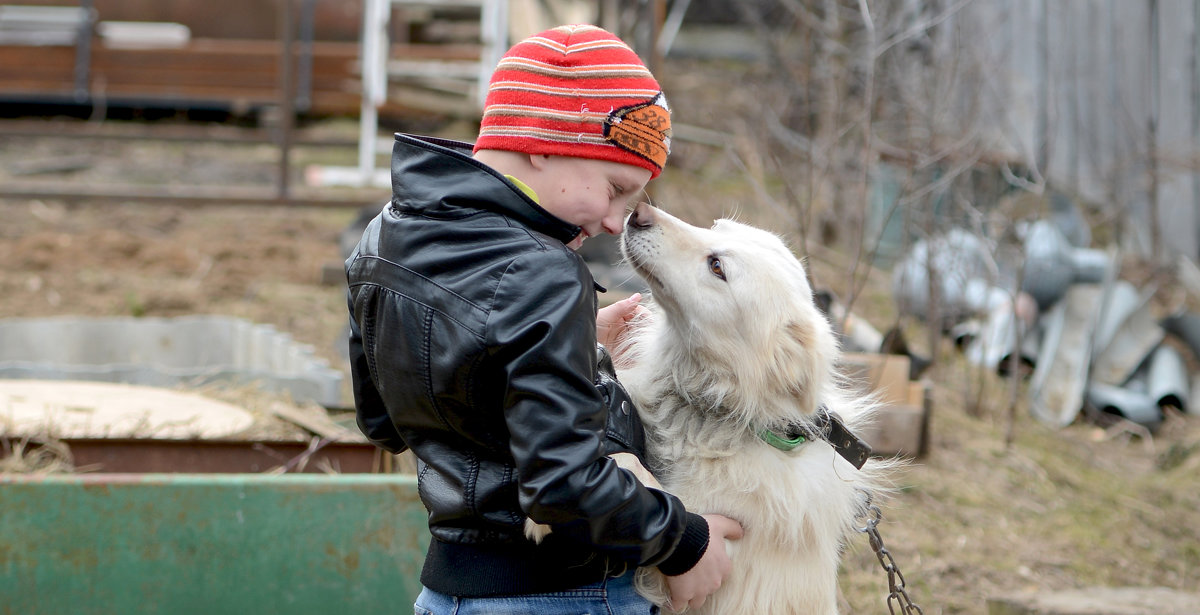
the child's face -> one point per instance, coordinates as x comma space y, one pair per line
593, 194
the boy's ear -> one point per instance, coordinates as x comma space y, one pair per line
538, 161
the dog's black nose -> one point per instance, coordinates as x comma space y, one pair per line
642, 216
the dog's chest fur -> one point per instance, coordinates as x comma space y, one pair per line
796, 507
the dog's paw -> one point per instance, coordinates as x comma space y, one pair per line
652, 586
536, 532
629, 461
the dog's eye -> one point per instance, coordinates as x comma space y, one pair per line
714, 265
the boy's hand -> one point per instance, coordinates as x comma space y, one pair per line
612, 321
692, 588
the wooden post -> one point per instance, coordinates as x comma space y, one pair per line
286, 103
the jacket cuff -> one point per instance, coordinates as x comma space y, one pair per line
690, 549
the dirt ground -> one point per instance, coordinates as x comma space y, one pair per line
974, 519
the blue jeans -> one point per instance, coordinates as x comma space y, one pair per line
614, 596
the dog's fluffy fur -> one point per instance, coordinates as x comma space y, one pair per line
734, 344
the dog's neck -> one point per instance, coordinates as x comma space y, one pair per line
825, 426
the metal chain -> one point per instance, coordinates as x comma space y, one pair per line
898, 595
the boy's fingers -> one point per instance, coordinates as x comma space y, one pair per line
629, 306
726, 527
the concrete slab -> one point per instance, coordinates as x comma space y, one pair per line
1100, 601
42, 408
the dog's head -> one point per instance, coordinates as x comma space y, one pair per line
737, 309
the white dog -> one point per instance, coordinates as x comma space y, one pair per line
732, 372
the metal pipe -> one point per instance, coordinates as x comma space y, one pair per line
374, 42
1048, 270
1167, 378
1089, 265
1133, 405
1186, 327
1027, 355
996, 338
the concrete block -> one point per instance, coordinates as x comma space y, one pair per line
886, 375
165, 352
897, 430
902, 423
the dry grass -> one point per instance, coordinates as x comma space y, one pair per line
1059, 509
35, 455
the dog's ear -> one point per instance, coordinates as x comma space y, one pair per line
802, 357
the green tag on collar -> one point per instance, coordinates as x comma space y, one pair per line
784, 444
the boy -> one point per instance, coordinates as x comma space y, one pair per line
474, 343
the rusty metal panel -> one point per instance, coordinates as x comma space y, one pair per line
224, 456
182, 544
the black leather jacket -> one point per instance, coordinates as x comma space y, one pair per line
473, 343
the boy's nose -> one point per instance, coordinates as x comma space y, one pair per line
613, 223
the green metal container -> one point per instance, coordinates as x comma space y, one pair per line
212, 543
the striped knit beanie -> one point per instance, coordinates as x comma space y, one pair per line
577, 91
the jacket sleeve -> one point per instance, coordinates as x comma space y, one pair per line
542, 335
373, 418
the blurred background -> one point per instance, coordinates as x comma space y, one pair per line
997, 201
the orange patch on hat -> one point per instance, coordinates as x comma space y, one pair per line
643, 129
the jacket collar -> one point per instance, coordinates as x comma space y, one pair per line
438, 177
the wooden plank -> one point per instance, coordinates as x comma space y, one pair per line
317, 421
153, 79
35, 60
192, 93
11, 80
31, 88
183, 60
216, 70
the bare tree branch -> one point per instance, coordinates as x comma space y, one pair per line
920, 27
